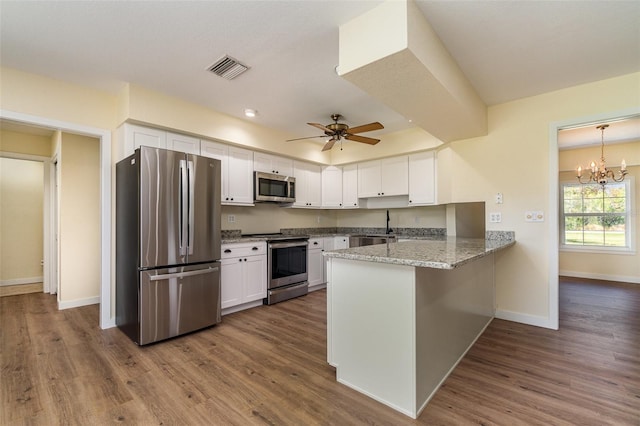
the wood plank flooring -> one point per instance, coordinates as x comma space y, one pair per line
14, 290
268, 366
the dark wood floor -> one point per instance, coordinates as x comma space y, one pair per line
267, 366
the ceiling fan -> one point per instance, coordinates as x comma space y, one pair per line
339, 131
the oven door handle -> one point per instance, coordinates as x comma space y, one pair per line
288, 244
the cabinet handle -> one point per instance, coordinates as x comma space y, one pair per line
227, 251
254, 248
232, 199
410, 201
315, 243
239, 260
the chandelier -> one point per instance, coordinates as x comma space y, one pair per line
599, 173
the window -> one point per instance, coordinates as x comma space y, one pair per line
596, 217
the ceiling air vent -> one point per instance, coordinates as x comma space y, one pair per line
228, 68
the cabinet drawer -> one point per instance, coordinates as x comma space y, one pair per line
316, 243
244, 249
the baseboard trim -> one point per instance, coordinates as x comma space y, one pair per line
78, 303
534, 320
19, 281
604, 277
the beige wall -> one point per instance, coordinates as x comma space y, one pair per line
21, 220
514, 159
271, 218
609, 266
79, 219
23, 143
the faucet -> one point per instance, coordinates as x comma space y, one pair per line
389, 230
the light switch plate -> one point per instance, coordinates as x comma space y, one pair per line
495, 217
231, 218
499, 198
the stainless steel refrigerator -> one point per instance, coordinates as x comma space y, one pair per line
167, 244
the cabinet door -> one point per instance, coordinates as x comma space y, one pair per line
231, 278
283, 166
350, 186
331, 186
300, 173
272, 164
255, 274
137, 136
394, 176
219, 152
341, 242
183, 143
240, 175
308, 182
422, 178
315, 267
314, 185
369, 179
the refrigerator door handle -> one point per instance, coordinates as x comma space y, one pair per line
191, 183
183, 274
184, 194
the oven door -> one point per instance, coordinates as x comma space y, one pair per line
287, 263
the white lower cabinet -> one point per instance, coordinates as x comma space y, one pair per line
244, 275
315, 266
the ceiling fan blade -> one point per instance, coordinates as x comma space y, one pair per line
321, 127
309, 137
362, 139
329, 144
366, 128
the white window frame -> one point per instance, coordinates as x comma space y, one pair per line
629, 224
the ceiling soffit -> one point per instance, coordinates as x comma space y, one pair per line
393, 54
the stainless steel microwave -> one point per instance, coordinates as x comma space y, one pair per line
274, 188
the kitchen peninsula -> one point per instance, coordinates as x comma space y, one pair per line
401, 315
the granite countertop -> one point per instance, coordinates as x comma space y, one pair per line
438, 253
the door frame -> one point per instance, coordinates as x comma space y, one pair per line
106, 319
553, 219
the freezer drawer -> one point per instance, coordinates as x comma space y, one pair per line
178, 300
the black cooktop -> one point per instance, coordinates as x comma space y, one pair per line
276, 236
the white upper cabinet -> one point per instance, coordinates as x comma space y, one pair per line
382, 178
331, 186
308, 184
272, 164
237, 171
136, 136
422, 178
350, 186
183, 143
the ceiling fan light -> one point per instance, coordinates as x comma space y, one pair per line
250, 112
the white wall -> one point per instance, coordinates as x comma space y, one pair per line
21, 221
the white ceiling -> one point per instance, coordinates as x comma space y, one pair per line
507, 49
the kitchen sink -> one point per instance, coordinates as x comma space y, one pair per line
370, 239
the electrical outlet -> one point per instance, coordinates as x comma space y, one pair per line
416, 220
231, 218
318, 219
495, 217
499, 198
534, 216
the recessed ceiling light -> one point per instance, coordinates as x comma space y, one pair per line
250, 112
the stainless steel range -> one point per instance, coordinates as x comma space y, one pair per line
286, 266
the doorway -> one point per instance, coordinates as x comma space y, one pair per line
107, 320
554, 207
22, 189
